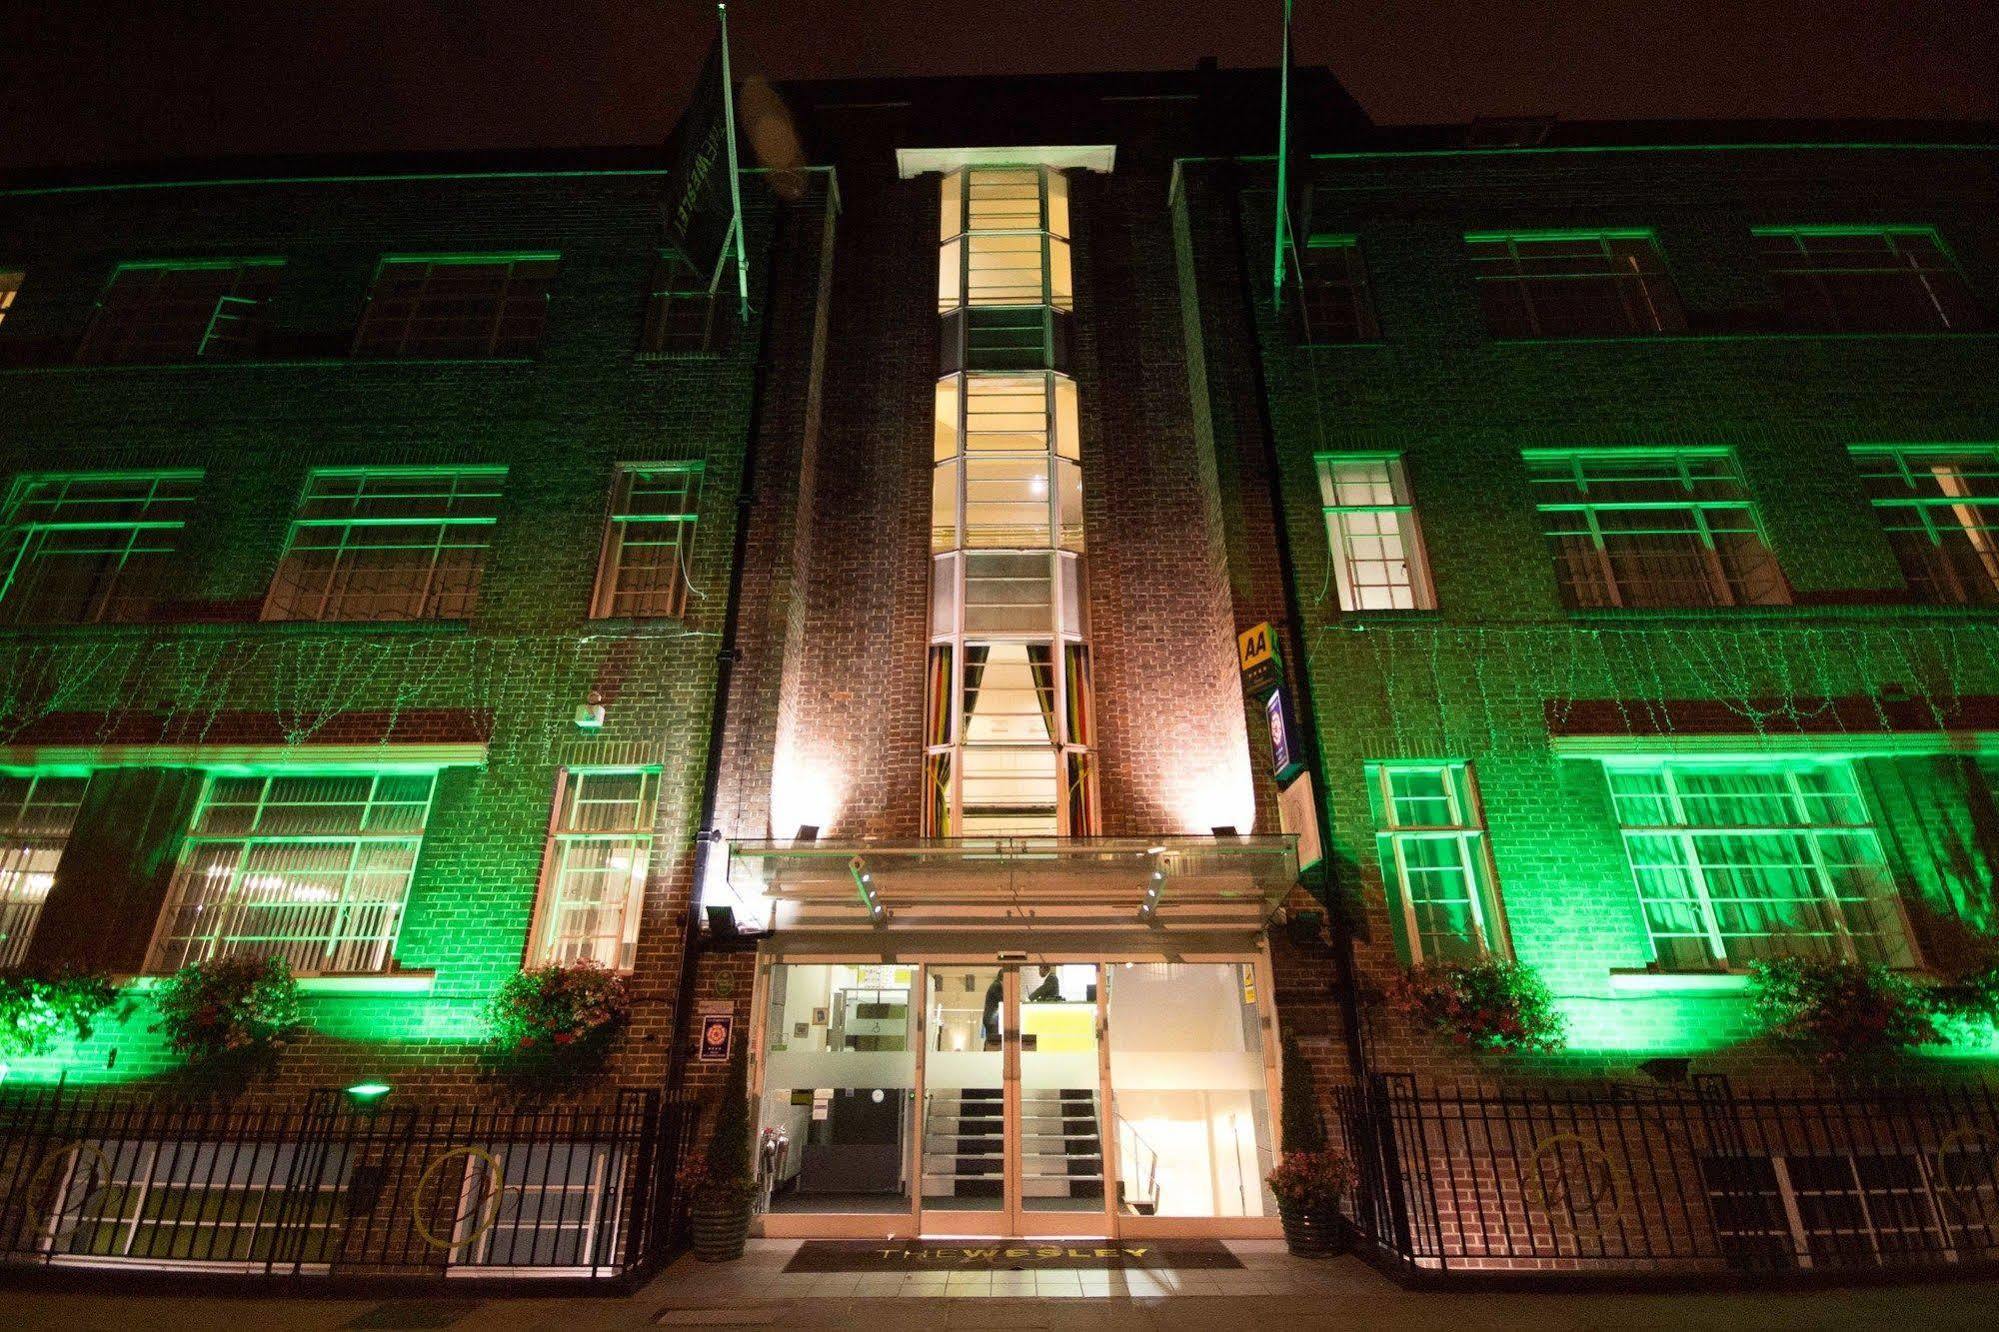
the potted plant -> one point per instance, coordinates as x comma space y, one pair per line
1851, 1019
554, 1023
1489, 1005
724, 1187
37, 1011
230, 1016
1311, 1177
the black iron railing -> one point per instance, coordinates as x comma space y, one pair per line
337, 1188
1699, 1177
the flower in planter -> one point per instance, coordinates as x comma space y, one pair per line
1312, 1181
561, 1016
37, 1011
1488, 1005
230, 1009
1851, 1019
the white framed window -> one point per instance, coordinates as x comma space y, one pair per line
37, 811
1735, 862
1845, 1210
457, 306
85, 547
1653, 527
1939, 507
213, 1204
643, 568
387, 543
1549, 284
594, 871
1865, 279
311, 868
178, 310
1436, 860
1377, 546
550, 1206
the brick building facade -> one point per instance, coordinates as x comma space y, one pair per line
932, 688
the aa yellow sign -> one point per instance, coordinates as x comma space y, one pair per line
1256, 651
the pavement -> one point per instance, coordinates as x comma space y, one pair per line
1272, 1289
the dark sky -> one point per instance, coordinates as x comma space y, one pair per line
85, 81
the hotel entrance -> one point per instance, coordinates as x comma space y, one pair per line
1113, 1095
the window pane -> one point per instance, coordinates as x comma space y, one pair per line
598, 858
1738, 862
646, 546
1866, 281
1939, 508
454, 309
1648, 528
177, 312
388, 545
1378, 558
1434, 860
312, 869
37, 812
1574, 286
1336, 306
91, 547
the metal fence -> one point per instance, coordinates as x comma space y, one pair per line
334, 1188
1692, 1178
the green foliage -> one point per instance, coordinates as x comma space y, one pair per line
726, 1174
1301, 1121
230, 1010
37, 1011
1850, 1019
558, 1017
1488, 1005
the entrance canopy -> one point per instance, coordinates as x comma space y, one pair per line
1078, 883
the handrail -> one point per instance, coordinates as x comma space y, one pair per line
1152, 1171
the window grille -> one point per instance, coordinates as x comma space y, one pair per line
1337, 305
1377, 547
37, 811
1939, 507
1585, 284
643, 570
1865, 280
1436, 861
207, 310
457, 307
313, 869
598, 854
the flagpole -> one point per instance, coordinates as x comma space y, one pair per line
735, 176
1283, 163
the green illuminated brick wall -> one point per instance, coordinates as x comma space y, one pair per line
1475, 679
559, 422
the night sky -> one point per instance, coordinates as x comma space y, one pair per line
86, 81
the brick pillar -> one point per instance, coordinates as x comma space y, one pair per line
114, 875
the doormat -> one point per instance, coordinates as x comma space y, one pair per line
1009, 1256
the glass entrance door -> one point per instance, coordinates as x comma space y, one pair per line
1013, 1105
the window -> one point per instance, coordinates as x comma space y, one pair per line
680, 316
1582, 284
594, 879
313, 869
457, 306
1940, 509
541, 1205
1651, 527
234, 1202
1005, 236
1435, 860
1850, 1210
211, 310
37, 811
1336, 304
78, 548
10, 286
387, 544
1377, 548
643, 568
1736, 862
1865, 280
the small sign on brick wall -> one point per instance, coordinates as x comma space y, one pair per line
718, 1037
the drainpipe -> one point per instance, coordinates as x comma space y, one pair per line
1343, 945
708, 841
